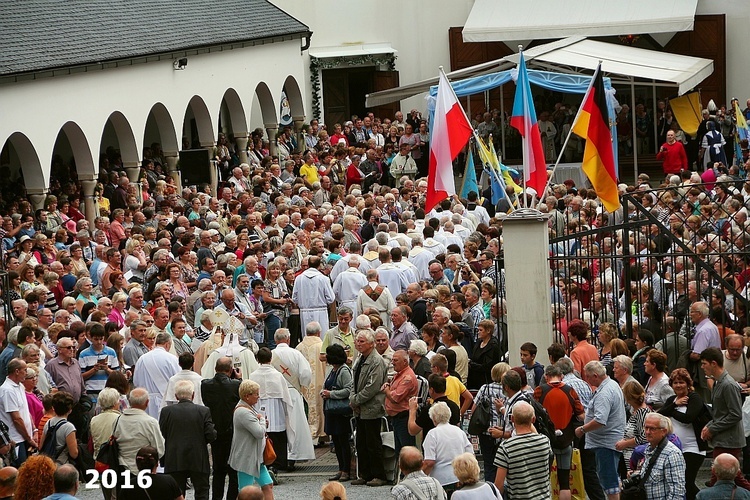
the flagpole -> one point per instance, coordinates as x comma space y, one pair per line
493, 172
565, 144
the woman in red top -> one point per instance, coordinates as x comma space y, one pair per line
353, 173
672, 154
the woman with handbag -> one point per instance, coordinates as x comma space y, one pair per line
336, 390
249, 441
488, 439
102, 425
688, 413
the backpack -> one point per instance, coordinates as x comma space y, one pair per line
568, 429
422, 389
49, 447
543, 423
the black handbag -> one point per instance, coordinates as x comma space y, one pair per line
337, 406
109, 453
480, 417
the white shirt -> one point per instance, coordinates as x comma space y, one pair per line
442, 444
12, 399
152, 372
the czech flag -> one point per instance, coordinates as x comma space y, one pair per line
592, 124
450, 133
524, 120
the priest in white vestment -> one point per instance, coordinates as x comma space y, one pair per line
276, 403
313, 293
187, 373
310, 348
296, 371
347, 285
153, 371
377, 296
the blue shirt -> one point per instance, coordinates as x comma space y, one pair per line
60, 496
607, 408
88, 358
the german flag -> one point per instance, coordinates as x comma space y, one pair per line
592, 124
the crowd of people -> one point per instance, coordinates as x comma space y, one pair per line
311, 298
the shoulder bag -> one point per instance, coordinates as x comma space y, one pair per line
634, 488
269, 454
337, 406
109, 453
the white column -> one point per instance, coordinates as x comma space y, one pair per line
213, 168
37, 197
89, 202
527, 282
271, 130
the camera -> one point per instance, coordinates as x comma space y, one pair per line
631, 482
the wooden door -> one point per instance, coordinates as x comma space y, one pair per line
335, 96
384, 80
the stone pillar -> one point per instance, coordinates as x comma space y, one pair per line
213, 169
133, 169
90, 207
171, 158
298, 122
37, 197
240, 141
271, 130
527, 282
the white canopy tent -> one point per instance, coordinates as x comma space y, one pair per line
506, 20
625, 65
577, 54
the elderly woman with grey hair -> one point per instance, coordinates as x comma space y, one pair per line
102, 425
418, 358
466, 469
442, 445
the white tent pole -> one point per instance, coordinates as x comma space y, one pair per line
656, 122
502, 119
632, 117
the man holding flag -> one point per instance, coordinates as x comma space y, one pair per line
451, 130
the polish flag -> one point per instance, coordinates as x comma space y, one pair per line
451, 131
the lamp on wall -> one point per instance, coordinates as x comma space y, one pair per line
180, 64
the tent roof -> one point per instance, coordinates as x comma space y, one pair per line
575, 54
506, 20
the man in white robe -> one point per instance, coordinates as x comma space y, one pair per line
393, 277
347, 285
313, 294
421, 258
343, 263
377, 296
296, 371
186, 361
276, 404
153, 371
310, 349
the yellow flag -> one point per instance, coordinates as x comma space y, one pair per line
687, 110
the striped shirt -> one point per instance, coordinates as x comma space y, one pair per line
88, 359
526, 458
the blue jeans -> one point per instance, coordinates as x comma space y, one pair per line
401, 436
607, 461
273, 323
22, 454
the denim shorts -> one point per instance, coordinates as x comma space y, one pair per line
563, 457
607, 461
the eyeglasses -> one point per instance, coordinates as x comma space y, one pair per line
67, 347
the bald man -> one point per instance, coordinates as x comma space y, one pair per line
7, 482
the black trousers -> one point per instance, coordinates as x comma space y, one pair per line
343, 451
200, 482
370, 449
220, 455
279, 446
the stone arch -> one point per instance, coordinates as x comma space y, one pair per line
80, 149
294, 95
118, 125
196, 126
268, 109
160, 128
236, 119
23, 161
